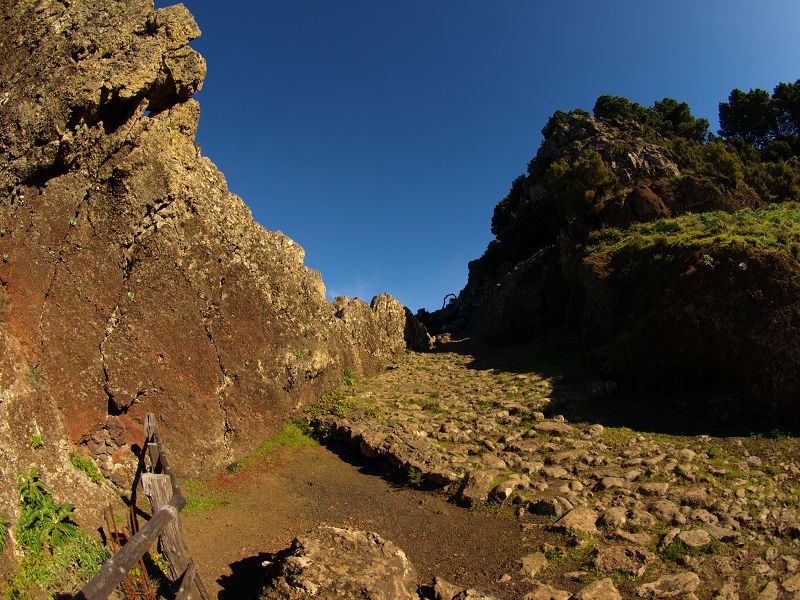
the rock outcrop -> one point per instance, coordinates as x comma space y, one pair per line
342, 563
132, 280
345, 563
655, 304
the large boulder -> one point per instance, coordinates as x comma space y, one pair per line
343, 563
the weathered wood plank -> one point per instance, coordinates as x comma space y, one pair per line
116, 568
187, 583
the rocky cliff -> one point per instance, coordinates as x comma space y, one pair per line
132, 280
573, 259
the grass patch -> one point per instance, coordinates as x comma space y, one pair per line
775, 227
86, 466
340, 402
350, 378
678, 549
200, 496
291, 435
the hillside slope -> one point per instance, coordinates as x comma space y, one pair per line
706, 302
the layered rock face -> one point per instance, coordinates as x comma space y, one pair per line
132, 280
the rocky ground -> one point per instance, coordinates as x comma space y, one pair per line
609, 508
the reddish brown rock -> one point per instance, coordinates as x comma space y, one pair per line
133, 281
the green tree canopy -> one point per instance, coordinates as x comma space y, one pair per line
760, 119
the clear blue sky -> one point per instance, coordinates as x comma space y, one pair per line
380, 135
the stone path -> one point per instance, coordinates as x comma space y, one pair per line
640, 514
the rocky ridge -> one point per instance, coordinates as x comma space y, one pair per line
132, 280
654, 309
649, 515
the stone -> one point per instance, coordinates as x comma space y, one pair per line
771, 591
533, 564
607, 483
543, 591
581, 519
476, 488
614, 517
626, 559
444, 590
653, 489
602, 589
694, 538
594, 430
554, 472
728, 591
667, 511
791, 584
147, 285
343, 563
670, 586
553, 427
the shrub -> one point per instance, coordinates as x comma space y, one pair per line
58, 555
86, 465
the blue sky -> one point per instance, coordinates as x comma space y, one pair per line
380, 135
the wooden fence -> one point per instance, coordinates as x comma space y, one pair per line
161, 487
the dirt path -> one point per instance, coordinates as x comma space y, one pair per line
644, 500
292, 491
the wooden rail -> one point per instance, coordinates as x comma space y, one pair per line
161, 487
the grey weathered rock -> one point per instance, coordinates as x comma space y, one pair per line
476, 487
602, 589
694, 538
670, 586
625, 559
533, 564
581, 519
667, 511
342, 563
543, 591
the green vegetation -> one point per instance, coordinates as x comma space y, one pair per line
35, 441
759, 147
414, 476
58, 555
678, 549
200, 496
769, 123
292, 435
776, 227
86, 465
666, 117
350, 378
5, 526
339, 402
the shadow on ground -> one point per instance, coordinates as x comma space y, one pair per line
680, 407
247, 577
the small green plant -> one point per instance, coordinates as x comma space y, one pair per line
86, 465
292, 435
73, 222
5, 257
200, 497
350, 378
552, 554
299, 355
35, 441
414, 476
58, 555
5, 526
131, 296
